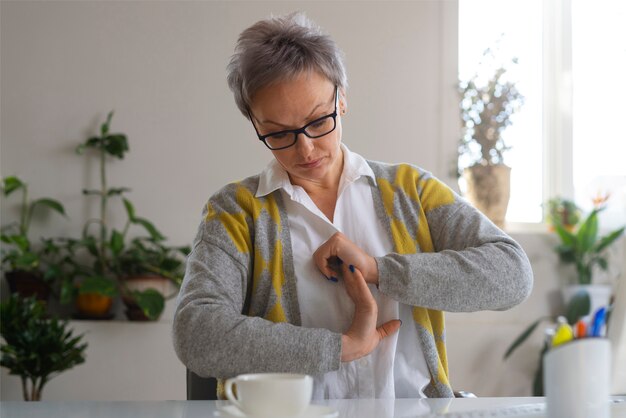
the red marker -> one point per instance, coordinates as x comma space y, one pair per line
581, 329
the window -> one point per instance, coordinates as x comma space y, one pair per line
571, 60
598, 105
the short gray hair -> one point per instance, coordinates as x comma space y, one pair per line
280, 48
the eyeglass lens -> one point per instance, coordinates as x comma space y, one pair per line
314, 130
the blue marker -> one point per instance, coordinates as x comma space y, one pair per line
598, 322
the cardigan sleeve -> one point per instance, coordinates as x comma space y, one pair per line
213, 337
473, 264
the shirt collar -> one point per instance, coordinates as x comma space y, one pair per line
274, 176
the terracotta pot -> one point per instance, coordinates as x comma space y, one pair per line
94, 306
27, 284
489, 189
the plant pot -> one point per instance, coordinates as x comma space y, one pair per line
141, 283
600, 294
93, 306
27, 284
489, 189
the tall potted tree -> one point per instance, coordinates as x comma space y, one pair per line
486, 110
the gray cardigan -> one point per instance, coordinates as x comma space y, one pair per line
238, 307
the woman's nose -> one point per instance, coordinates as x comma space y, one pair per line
304, 144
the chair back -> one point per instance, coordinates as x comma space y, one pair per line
201, 388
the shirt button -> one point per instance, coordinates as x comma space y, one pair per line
364, 362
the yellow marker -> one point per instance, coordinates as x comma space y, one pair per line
563, 334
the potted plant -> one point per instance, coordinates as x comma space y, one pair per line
583, 248
22, 262
36, 348
486, 110
563, 212
149, 266
115, 260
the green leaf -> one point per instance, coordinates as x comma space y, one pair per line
11, 184
588, 232
104, 128
567, 254
100, 285
578, 306
20, 241
67, 292
151, 302
608, 239
130, 209
117, 242
52, 204
567, 238
522, 337
151, 229
116, 145
602, 262
92, 245
27, 261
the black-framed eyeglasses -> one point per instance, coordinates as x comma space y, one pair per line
314, 129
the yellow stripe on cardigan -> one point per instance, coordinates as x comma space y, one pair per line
277, 313
434, 195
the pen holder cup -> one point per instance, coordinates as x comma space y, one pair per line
576, 378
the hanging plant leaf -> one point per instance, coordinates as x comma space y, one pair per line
150, 228
11, 184
151, 302
52, 204
117, 242
130, 209
116, 145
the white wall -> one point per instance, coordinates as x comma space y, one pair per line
161, 66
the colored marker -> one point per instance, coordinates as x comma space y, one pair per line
598, 321
581, 329
563, 334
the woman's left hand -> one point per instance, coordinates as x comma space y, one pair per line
339, 249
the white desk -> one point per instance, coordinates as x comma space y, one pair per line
363, 408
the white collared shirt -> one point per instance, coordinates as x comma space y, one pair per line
396, 368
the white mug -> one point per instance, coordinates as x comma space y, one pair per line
576, 379
275, 395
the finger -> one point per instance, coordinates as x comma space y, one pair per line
388, 328
357, 287
321, 257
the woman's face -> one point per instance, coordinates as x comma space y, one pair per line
291, 105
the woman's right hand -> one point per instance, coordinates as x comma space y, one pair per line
363, 336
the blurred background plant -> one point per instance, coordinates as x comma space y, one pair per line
21, 260
581, 246
36, 348
563, 212
114, 258
486, 110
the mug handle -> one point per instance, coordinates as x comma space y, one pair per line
228, 388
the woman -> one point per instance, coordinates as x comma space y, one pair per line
313, 265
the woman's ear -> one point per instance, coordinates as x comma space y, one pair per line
343, 103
